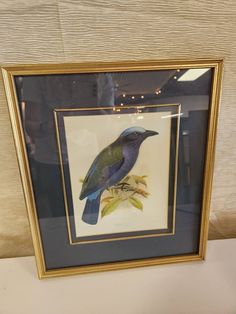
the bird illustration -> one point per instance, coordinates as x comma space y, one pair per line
110, 166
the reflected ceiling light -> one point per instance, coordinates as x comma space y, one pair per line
142, 96
123, 95
172, 115
121, 104
175, 77
132, 97
192, 74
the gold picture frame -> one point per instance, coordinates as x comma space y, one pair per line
9, 73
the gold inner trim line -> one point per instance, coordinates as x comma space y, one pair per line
8, 74
173, 218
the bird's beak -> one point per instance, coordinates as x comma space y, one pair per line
150, 133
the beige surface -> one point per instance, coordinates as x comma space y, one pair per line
67, 31
191, 288
222, 224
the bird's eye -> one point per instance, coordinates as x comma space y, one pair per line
136, 133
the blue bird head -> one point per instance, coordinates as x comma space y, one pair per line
136, 135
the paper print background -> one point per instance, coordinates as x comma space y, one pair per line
86, 136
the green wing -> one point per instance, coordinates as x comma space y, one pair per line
108, 161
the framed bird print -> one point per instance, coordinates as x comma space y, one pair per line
116, 160
122, 193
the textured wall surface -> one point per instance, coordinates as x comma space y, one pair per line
101, 30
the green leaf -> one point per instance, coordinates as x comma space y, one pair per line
139, 179
111, 206
135, 202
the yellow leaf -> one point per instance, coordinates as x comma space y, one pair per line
111, 206
107, 199
142, 192
139, 179
136, 202
126, 179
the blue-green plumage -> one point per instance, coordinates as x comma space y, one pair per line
110, 166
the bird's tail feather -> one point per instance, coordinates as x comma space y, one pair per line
91, 209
